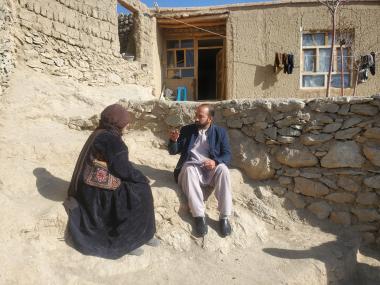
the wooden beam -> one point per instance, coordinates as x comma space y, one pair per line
190, 20
181, 26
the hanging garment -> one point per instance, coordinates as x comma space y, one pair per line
372, 68
277, 61
290, 63
285, 62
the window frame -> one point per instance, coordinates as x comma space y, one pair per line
174, 50
336, 52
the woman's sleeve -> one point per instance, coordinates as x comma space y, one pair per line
116, 155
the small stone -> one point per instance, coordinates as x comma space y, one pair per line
228, 112
59, 62
332, 128
351, 122
296, 200
234, 123
341, 218
38, 41
364, 109
286, 140
372, 153
310, 175
344, 109
341, 197
323, 119
288, 121
284, 181
292, 172
296, 158
368, 198
347, 134
309, 187
320, 209
329, 183
289, 105
348, 184
372, 133
368, 238
289, 132
314, 139
323, 107
372, 182
280, 191
271, 133
366, 215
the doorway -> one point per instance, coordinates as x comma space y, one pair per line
207, 73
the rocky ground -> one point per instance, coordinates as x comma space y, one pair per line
272, 243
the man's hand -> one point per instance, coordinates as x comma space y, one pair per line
209, 164
174, 135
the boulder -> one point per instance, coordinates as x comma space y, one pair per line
368, 198
351, 122
313, 139
309, 187
332, 128
296, 157
343, 154
253, 158
321, 209
347, 134
372, 182
372, 133
341, 197
364, 109
348, 184
372, 153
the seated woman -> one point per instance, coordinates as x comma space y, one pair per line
110, 203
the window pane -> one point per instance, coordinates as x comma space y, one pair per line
187, 72
172, 44
336, 80
187, 43
319, 39
170, 55
180, 54
189, 58
345, 59
307, 40
174, 73
309, 60
324, 59
210, 43
313, 81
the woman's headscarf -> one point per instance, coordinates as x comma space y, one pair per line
114, 118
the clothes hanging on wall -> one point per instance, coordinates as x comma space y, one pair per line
290, 63
367, 64
285, 61
277, 62
373, 67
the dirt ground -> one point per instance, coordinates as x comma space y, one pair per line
271, 243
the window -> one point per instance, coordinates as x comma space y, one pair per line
316, 49
180, 58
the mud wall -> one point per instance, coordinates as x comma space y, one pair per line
79, 39
259, 31
323, 153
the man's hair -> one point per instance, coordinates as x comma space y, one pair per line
210, 108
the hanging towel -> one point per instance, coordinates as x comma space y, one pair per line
285, 62
277, 61
290, 63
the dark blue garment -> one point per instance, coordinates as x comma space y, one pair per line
217, 138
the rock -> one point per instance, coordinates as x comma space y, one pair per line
278, 190
348, 184
372, 182
250, 156
341, 218
35, 64
368, 238
320, 209
343, 154
296, 200
289, 105
332, 128
344, 109
323, 119
228, 112
329, 183
314, 139
260, 125
263, 192
347, 134
234, 123
351, 122
114, 78
310, 187
372, 153
290, 132
372, 133
310, 175
364, 109
323, 106
368, 198
285, 140
292, 172
366, 215
271, 133
284, 181
288, 121
341, 197
296, 157
59, 62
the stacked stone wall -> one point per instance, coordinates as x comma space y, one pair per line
126, 34
79, 39
323, 153
7, 50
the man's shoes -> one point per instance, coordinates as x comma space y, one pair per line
225, 227
200, 226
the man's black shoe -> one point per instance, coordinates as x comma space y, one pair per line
225, 227
200, 226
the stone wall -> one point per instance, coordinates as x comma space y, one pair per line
7, 51
79, 39
324, 153
126, 34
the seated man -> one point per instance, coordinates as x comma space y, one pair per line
205, 154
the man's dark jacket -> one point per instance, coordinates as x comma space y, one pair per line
217, 137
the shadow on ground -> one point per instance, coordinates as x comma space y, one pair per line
50, 186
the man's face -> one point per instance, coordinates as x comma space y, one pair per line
202, 117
